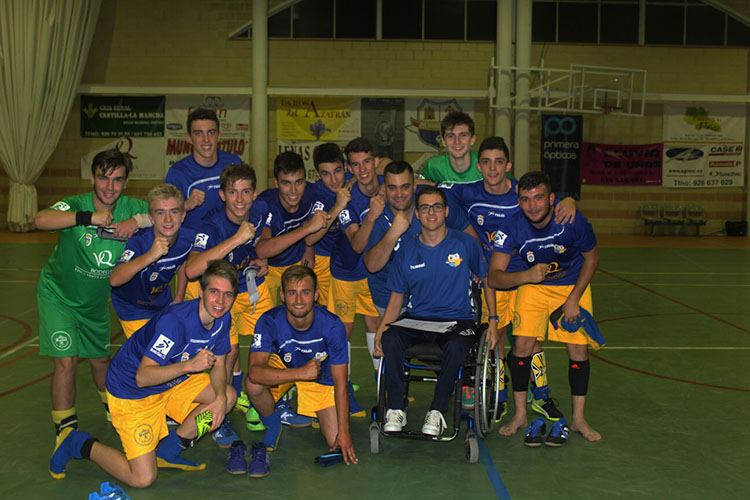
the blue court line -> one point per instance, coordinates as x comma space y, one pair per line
492, 474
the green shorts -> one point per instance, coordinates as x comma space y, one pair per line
65, 332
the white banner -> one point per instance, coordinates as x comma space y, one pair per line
422, 119
233, 113
704, 146
305, 150
146, 153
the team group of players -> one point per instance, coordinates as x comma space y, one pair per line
380, 246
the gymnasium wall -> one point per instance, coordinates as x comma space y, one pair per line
134, 46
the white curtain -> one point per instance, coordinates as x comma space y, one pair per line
43, 50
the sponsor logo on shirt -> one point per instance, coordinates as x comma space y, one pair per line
559, 248
256, 340
416, 266
162, 346
104, 258
344, 216
61, 206
200, 240
126, 256
499, 238
269, 218
530, 256
318, 206
454, 260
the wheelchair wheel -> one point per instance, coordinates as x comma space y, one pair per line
472, 448
374, 438
486, 387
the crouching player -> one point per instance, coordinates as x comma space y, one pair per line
303, 344
158, 373
561, 261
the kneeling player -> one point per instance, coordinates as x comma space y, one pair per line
158, 373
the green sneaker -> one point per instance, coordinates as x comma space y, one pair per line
501, 411
203, 421
547, 408
243, 402
253, 420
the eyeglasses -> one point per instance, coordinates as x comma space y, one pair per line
435, 207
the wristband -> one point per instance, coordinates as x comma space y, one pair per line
83, 218
496, 318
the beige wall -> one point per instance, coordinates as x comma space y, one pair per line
134, 46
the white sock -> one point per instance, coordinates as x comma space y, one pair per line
370, 336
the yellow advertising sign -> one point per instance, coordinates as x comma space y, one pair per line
317, 118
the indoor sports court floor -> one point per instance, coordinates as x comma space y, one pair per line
670, 394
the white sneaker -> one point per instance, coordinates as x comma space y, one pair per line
434, 423
395, 420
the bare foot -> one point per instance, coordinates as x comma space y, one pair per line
582, 427
518, 422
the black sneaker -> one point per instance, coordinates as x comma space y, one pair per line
547, 408
535, 433
558, 434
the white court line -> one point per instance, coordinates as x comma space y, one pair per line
722, 285
23, 344
679, 273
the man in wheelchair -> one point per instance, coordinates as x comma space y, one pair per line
434, 271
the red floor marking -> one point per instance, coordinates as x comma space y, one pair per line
19, 358
26, 331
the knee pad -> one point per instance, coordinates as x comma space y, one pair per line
578, 376
520, 372
539, 387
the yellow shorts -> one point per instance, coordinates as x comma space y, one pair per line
243, 315
130, 327
348, 298
311, 396
534, 304
323, 272
505, 302
192, 289
141, 423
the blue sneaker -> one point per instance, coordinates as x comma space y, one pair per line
225, 435
260, 462
290, 417
535, 433
558, 434
110, 491
68, 446
236, 462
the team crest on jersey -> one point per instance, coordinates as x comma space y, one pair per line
256, 340
200, 240
499, 238
288, 357
230, 257
454, 260
529, 256
480, 219
318, 206
185, 356
559, 248
153, 276
126, 256
344, 217
162, 346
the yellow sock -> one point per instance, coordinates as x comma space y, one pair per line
103, 396
59, 415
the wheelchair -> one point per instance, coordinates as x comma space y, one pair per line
481, 370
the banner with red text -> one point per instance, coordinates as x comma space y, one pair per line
317, 119
621, 165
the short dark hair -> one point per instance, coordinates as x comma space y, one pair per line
233, 173
328, 152
288, 162
431, 190
110, 159
456, 118
298, 273
398, 167
531, 180
494, 143
202, 114
221, 269
358, 145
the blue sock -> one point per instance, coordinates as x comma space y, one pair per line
540, 392
273, 429
171, 445
237, 382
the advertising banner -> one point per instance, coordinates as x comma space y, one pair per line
317, 118
146, 153
116, 116
621, 165
305, 150
561, 153
422, 121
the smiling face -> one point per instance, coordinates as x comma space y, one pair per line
458, 140
291, 188
108, 186
204, 136
431, 211
217, 297
167, 214
399, 190
299, 296
362, 166
494, 165
238, 198
536, 204
332, 175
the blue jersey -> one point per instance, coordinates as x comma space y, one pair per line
437, 280
328, 197
148, 291
187, 174
326, 336
346, 264
279, 221
217, 227
174, 335
486, 212
377, 282
558, 245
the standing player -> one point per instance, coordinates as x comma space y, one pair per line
73, 289
488, 203
158, 372
458, 164
560, 261
140, 281
303, 344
